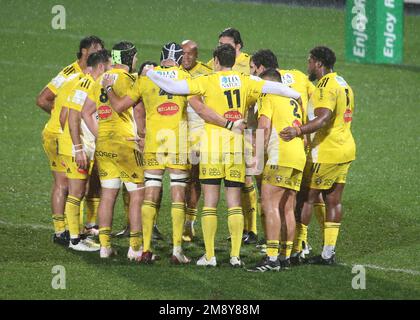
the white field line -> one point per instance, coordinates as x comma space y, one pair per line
372, 266
26, 225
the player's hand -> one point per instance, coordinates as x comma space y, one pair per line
139, 141
239, 126
81, 160
288, 133
146, 68
108, 80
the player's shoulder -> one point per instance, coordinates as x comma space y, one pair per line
86, 82
204, 67
332, 80
70, 69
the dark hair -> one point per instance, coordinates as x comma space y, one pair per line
87, 42
266, 58
271, 74
123, 53
226, 55
101, 56
172, 51
232, 33
325, 55
146, 63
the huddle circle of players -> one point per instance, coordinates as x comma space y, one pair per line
238, 119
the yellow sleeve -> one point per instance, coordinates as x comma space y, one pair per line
57, 82
197, 86
135, 92
324, 98
255, 85
77, 97
264, 107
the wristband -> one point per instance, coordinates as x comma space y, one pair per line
229, 125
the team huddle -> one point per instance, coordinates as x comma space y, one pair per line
281, 145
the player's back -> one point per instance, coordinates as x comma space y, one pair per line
334, 143
298, 81
283, 112
165, 113
113, 124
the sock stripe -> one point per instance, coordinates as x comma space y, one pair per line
73, 201
248, 189
149, 203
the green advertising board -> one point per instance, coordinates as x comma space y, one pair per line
374, 31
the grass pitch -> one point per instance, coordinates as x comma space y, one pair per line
381, 223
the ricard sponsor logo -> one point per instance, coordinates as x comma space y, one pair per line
233, 115
104, 112
168, 109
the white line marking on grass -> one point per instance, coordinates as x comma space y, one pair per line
372, 266
26, 225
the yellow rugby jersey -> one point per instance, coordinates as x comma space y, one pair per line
228, 93
75, 100
283, 112
298, 81
333, 143
55, 84
199, 69
166, 117
53, 125
241, 63
111, 123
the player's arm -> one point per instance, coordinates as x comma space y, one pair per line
210, 116
119, 104
179, 87
277, 88
74, 126
45, 100
139, 114
264, 123
88, 115
322, 118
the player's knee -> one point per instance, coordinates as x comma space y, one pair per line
179, 179
111, 183
153, 180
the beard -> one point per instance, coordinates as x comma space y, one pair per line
312, 76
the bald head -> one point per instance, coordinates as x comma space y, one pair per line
190, 54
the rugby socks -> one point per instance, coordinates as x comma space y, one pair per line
209, 226
320, 214
72, 211
105, 237
92, 205
191, 215
135, 240
331, 230
301, 235
273, 249
178, 219
148, 212
249, 205
82, 213
59, 224
286, 249
236, 227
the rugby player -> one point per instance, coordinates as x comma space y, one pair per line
228, 93
77, 146
282, 174
117, 153
332, 147
47, 101
195, 68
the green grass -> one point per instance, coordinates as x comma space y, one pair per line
381, 201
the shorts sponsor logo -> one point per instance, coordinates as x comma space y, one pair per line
348, 115
233, 115
105, 154
214, 172
104, 112
168, 109
279, 179
53, 164
134, 176
102, 173
229, 82
318, 181
124, 175
235, 173
203, 171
